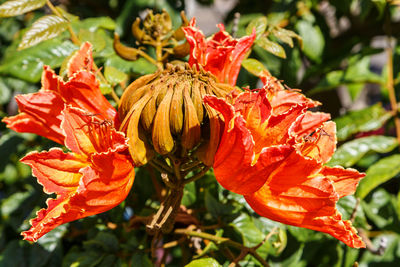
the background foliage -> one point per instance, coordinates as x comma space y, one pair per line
344, 53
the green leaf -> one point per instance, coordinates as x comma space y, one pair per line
17, 7
114, 76
141, 259
272, 47
108, 242
364, 120
216, 208
93, 24
5, 92
286, 36
140, 66
28, 64
380, 172
351, 152
253, 66
313, 40
95, 38
206, 262
251, 235
189, 194
43, 29
260, 24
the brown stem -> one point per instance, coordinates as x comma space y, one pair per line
222, 240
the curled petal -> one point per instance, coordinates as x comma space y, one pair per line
309, 203
40, 114
57, 171
322, 144
237, 149
283, 100
81, 60
99, 195
221, 55
86, 134
345, 181
94, 179
307, 123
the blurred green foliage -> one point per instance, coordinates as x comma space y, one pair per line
318, 46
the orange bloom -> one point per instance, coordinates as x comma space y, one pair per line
279, 149
95, 177
41, 111
221, 55
98, 173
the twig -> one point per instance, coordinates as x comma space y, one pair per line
380, 250
223, 240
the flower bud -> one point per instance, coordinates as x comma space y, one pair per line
164, 113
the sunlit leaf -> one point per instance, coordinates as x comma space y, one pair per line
253, 66
251, 235
364, 120
272, 47
351, 152
114, 76
209, 262
17, 7
313, 40
43, 29
377, 174
259, 24
28, 63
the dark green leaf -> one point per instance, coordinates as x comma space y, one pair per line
313, 40
43, 29
17, 7
377, 174
216, 208
28, 63
351, 152
189, 194
139, 259
209, 262
93, 24
251, 235
108, 242
272, 47
259, 24
364, 120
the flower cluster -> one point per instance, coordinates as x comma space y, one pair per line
277, 147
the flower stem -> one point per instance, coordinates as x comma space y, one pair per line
390, 87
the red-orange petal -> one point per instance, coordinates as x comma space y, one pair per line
95, 179
40, 114
307, 123
57, 171
81, 60
86, 134
308, 203
344, 180
237, 149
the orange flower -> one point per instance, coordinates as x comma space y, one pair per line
221, 55
98, 174
279, 149
41, 111
95, 177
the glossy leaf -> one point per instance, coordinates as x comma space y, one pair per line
17, 7
209, 262
28, 64
313, 40
114, 76
286, 36
43, 29
259, 24
351, 152
364, 120
377, 174
272, 47
253, 66
251, 235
